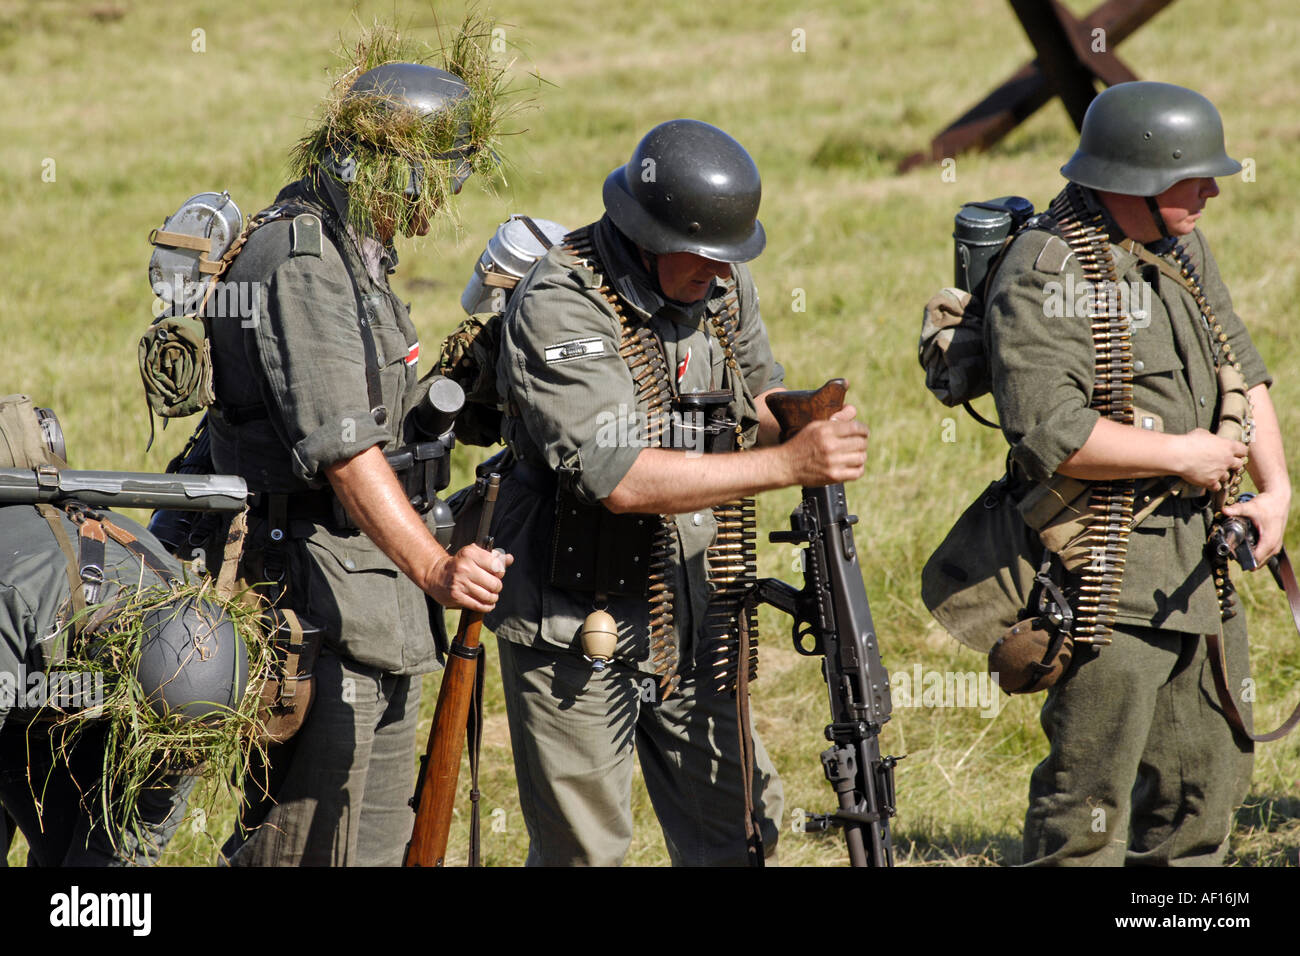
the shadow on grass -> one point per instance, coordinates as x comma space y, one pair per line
959, 848
853, 151
1267, 832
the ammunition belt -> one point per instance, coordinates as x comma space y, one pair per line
732, 568
1111, 502
1221, 348
731, 561
652, 381
1235, 419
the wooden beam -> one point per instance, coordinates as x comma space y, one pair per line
1066, 65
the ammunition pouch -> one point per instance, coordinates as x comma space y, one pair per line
1057, 509
594, 549
287, 695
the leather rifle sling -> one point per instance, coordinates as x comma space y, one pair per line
1219, 664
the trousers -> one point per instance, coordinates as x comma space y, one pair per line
1143, 768
574, 733
66, 828
337, 792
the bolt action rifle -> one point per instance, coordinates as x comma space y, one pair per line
833, 619
459, 712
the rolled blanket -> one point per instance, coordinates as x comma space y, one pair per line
176, 366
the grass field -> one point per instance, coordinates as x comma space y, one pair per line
111, 117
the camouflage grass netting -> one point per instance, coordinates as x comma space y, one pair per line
140, 744
387, 138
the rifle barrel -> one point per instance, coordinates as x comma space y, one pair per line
123, 489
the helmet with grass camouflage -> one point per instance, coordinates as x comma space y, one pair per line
689, 187
425, 90
1141, 138
192, 661
402, 134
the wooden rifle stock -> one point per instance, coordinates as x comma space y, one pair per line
794, 410
435, 794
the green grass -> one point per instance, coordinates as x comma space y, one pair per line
135, 122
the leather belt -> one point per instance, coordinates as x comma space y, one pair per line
315, 505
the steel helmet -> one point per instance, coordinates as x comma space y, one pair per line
426, 90
191, 660
1141, 138
689, 187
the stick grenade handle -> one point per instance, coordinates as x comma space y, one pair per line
440, 771
794, 410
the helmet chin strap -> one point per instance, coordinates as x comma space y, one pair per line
651, 260
1159, 219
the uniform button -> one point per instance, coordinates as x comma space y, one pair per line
697, 519
1202, 401
349, 564
1139, 365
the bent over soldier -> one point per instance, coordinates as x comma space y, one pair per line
309, 394
1144, 767
634, 371
55, 788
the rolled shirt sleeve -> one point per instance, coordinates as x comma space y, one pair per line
1042, 362
753, 351
309, 349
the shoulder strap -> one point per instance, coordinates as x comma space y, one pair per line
310, 224
57, 652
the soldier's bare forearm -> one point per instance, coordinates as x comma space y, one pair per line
664, 481
1115, 451
375, 501
1121, 451
1267, 465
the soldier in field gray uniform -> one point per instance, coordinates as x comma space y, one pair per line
655, 285
54, 797
309, 394
1143, 767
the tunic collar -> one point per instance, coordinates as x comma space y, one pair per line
379, 258
629, 277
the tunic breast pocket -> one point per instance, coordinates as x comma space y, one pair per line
391, 350
1160, 392
1156, 363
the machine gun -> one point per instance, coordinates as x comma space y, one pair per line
122, 489
832, 619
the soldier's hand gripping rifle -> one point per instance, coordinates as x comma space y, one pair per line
833, 619
460, 701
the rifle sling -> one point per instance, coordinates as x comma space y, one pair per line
474, 743
1219, 664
